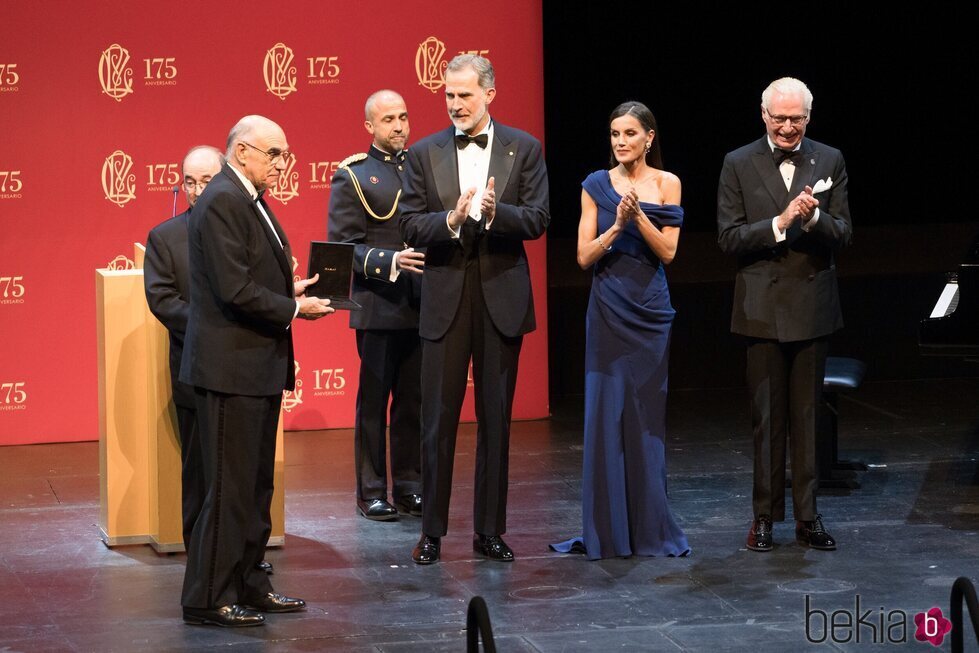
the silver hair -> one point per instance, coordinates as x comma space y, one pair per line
208, 148
243, 128
787, 86
482, 66
369, 105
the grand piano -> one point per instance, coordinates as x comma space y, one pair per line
952, 329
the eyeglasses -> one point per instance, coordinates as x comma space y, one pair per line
796, 121
274, 155
190, 184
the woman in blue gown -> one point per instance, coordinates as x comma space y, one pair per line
629, 228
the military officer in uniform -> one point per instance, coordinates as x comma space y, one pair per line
364, 210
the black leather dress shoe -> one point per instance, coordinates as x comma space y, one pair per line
229, 616
813, 535
273, 602
377, 509
409, 504
760, 535
427, 550
265, 566
493, 547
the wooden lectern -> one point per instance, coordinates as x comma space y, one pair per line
139, 448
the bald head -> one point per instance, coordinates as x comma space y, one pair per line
387, 120
200, 164
258, 148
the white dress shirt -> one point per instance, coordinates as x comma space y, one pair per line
473, 168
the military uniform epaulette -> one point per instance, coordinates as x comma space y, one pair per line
381, 182
353, 158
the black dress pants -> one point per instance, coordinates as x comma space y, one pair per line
237, 435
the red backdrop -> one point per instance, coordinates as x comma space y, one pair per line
100, 101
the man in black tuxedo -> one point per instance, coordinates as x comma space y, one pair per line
167, 282
782, 210
474, 192
364, 199
238, 355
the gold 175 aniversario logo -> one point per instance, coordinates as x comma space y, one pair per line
430, 64
118, 179
114, 74
280, 74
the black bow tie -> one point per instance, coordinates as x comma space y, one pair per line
462, 140
795, 156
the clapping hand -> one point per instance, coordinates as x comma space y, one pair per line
628, 208
458, 215
800, 208
487, 207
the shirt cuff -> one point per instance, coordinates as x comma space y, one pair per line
457, 232
779, 235
394, 268
811, 224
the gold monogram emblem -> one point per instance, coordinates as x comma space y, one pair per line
280, 74
287, 185
430, 64
118, 182
121, 263
292, 398
115, 77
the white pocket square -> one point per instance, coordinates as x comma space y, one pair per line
822, 184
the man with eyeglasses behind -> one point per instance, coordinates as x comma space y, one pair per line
166, 278
782, 210
238, 355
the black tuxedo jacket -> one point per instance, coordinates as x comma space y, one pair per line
432, 190
783, 291
238, 336
166, 278
376, 238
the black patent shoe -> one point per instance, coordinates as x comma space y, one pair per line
813, 535
409, 504
760, 535
427, 550
265, 566
376, 509
274, 602
493, 547
227, 616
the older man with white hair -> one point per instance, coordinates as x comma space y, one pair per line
782, 210
238, 355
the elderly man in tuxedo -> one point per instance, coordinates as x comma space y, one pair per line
782, 210
474, 193
238, 355
166, 276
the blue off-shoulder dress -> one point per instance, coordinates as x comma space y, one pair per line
625, 510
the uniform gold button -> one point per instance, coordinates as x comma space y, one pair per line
377, 270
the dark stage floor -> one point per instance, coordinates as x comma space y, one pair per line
904, 536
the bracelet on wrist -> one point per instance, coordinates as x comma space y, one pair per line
602, 244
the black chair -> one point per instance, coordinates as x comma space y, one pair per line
842, 374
